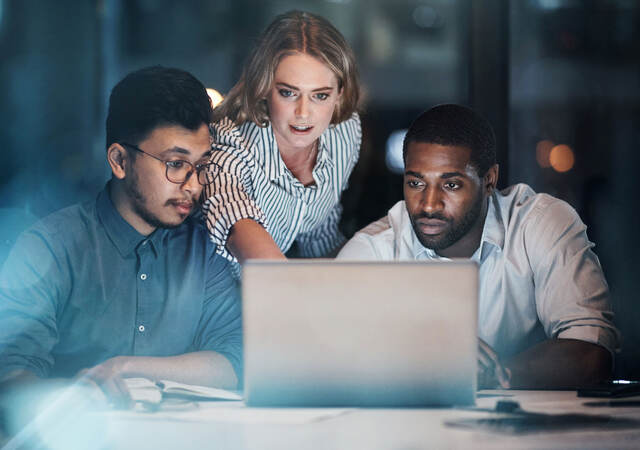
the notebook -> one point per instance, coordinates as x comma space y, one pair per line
340, 333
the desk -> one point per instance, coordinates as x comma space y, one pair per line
231, 425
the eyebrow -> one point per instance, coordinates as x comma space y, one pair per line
184, 151
444, 175
295, 88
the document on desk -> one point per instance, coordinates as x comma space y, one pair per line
173, 401
145, 390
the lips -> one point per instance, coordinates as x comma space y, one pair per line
300, 129
432, 226
183, 207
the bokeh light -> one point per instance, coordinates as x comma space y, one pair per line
393, 154
543, 151
561, 158
215, 96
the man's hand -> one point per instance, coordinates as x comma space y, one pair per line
491, 372
108, 376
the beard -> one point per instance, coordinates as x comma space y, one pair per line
456, 229
139, 204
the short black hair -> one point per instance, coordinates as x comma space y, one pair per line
459, 126
153, 97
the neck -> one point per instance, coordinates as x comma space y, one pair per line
298, 160
122, 202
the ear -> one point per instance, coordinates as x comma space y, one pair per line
119, 160
490, 179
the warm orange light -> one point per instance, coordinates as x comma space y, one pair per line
561, 158
215, 97
543, 150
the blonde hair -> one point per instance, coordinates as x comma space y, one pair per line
291, 32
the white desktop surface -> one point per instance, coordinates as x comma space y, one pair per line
231, 425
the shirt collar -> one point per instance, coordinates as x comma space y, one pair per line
274, 163
493, 230
120, 232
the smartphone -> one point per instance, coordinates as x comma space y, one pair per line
612, 389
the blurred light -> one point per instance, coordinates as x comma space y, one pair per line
557, 4
561, 158
425, 16
393, 155
215, 96
543, 150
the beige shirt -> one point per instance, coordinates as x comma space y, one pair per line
539, 277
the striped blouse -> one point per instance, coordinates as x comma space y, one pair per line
248, 179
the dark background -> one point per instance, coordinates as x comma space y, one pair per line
562, 71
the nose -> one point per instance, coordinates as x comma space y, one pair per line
432, 200
302, 108
191, 184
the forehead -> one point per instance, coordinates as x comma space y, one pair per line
192, 143
304, 71
427, 158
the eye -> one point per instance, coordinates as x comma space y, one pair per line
179, 164
322, 96
452, 185
286, 92
415, 184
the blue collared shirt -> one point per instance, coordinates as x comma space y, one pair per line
82, 286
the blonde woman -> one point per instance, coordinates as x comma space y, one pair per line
285, 141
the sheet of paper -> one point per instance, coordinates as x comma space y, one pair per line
229, 412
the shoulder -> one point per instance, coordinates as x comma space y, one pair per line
238, 144
70, 223
538, 221
523, 205
194, 232
375, 241
345, 135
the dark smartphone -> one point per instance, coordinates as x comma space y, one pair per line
612, 389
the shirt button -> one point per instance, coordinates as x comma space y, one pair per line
141, 328
143, 276
144, 242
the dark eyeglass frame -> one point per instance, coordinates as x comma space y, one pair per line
198, 168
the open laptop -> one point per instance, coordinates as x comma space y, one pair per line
340, 333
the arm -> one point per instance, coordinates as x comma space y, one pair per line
205, 368
248, 239
551, 364
33, 281
572, 303
236, 224
217, 357
560, 364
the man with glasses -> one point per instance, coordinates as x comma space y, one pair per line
128, 285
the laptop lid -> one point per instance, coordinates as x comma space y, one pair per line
341, 333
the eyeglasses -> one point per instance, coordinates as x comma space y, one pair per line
178, 170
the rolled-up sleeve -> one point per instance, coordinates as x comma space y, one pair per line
229, 191
31, 282
220, 327
572, 296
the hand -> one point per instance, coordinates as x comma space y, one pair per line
491, 373
108, 377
